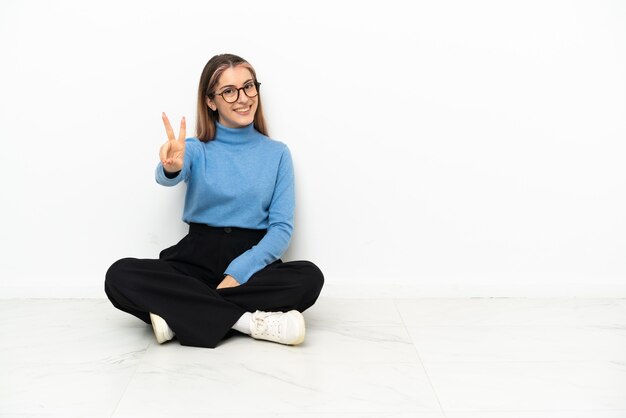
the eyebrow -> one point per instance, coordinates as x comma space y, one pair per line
232, 85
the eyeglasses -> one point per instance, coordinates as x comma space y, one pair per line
231, 94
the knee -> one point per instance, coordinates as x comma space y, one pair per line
116, 274
312, 281
313, 277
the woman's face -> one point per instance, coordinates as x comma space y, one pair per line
241, 112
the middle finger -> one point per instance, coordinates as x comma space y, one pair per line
183, 130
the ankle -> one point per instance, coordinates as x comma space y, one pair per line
244, 323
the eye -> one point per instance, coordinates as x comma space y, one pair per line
249, 86
227, 92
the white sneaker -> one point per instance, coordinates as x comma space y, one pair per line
284, 328
162, 331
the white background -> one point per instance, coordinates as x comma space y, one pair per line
444, 149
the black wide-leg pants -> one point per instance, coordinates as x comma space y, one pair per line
181, 285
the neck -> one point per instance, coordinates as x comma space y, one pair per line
228, 135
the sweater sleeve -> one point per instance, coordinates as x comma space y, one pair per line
276, 240
165, 180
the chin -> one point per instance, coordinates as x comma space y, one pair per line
238, 121
244, 121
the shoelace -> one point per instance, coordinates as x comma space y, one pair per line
267, 323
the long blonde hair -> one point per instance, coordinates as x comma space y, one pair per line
206, 117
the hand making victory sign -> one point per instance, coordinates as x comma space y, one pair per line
172, 153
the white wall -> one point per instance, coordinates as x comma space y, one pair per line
446, 149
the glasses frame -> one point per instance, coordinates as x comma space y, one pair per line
256, 84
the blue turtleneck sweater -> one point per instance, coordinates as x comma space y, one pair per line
240, 179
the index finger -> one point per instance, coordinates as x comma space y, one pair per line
168, 128
183, 130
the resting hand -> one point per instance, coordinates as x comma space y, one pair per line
229, 281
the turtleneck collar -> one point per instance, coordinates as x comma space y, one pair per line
245, 135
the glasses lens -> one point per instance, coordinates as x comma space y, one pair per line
230, 95
250, 90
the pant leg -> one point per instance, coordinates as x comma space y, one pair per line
198, 315
278, 287
181, 286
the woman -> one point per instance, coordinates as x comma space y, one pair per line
226, 273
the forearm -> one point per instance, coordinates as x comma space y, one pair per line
271, 247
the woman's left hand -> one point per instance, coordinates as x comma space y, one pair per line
229, 281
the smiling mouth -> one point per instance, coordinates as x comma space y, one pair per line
243, 110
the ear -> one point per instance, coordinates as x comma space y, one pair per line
211, 104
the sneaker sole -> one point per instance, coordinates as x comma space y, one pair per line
300, 318
161, 336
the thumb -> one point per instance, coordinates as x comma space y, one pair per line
163, 151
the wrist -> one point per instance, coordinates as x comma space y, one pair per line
170, 174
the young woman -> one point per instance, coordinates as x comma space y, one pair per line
226, 273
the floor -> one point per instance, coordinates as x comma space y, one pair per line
431, 358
